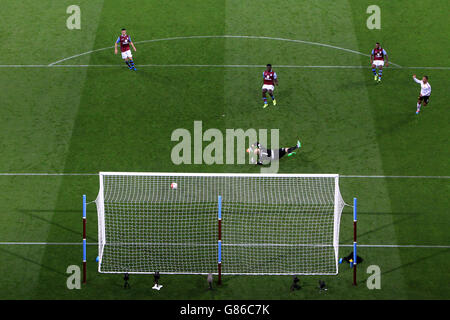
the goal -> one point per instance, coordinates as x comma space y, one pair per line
230, 224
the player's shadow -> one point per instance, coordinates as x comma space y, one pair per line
34, 215
28, 260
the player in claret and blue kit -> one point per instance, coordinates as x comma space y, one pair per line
125, 41
269, 80
377, 61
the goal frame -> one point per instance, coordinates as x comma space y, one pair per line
101, 222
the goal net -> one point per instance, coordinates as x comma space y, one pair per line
276, 224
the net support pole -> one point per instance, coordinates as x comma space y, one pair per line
219, 253
84, 238
355, 256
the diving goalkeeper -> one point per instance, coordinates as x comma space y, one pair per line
261, 155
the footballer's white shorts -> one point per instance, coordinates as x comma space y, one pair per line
126, 54
269, 87
378, 63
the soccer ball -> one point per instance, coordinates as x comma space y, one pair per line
173, 185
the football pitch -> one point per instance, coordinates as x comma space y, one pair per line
70, 108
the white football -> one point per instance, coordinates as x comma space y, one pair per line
173, 185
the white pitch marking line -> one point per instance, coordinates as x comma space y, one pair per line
395, 177
341, 245
224, 36
179, 66
396, 246
203, 66
48, 174
42, 243
341, 176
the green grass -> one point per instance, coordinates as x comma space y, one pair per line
85, 120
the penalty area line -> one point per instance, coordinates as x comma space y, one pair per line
223, 37
207, 66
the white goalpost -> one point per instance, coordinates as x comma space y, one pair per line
230, 224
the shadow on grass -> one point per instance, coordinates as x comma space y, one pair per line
32, 214
434, 254
317, 153
393, 124
408, 264
42, 266
409, 216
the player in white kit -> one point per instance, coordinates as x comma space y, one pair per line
425, 92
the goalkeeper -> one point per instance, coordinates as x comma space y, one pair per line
262, 155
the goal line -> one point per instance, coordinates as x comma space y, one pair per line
341, 176
425, 246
